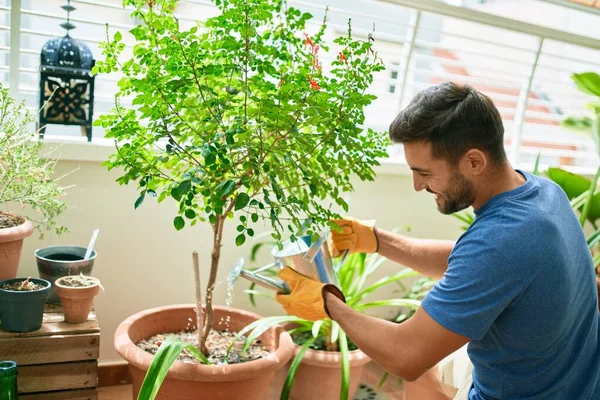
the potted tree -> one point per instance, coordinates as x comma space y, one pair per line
26, 180
236, 119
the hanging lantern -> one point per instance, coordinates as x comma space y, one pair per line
66, 82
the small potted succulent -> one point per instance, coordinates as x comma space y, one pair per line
77, 294
22, 304
25, 181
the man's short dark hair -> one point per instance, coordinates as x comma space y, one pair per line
453, 118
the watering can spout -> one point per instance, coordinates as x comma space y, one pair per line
275, 285
313, 261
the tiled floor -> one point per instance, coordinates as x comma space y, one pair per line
391, 390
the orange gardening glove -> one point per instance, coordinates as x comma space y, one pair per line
306, 300
355, 236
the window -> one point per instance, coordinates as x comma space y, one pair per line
525, 69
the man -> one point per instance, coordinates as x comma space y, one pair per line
518, 285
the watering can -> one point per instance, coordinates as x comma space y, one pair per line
313, 261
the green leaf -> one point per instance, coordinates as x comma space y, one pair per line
139, 200
179, 223
241, 201
578, 124
118, 36
180, 190
590, 199
289, 380
254, 217
240, 239
163, 359
225, 188
576, 188
317, 327
345, 366
335, 332
189, 213
383, 379
588, 82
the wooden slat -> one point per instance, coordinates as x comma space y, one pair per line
59, 317
51, 349
64, 376
86, 394
56, 328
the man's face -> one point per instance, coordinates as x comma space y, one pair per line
452, 191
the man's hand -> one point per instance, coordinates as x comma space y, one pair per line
355, 236
306, 300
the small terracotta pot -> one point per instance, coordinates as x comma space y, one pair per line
185, 381
319, 375
11, 244
76, 302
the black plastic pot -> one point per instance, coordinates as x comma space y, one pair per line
22, 311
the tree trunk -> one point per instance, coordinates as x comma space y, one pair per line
214, 267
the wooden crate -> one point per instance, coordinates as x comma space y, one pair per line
59, 361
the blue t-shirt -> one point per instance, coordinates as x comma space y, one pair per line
521, 285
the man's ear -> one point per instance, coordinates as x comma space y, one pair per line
474, 162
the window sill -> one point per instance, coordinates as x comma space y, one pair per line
99, 149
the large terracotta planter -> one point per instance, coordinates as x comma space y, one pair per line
319, 375
251, 380
11, 244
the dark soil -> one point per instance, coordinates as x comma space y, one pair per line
319, 344
8, 220
217, 344
22, 286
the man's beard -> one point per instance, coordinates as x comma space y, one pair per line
459, 195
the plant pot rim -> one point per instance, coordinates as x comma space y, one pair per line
331, 359
199, 372
91, 257
35, 280
14, 233
60, 284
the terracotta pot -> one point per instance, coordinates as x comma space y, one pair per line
319, 375
11, 244
76, 302
250, 380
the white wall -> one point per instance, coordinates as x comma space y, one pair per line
144, 262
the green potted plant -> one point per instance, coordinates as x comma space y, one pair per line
236, 119
26, 180
327, 365
589, 83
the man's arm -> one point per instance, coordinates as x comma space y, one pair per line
427, 256
404, 350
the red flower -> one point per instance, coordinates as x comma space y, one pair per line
317, 64
343, 58
313, 84
315, 49
281, 82
309, 42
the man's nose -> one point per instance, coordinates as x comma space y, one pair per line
418, 183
